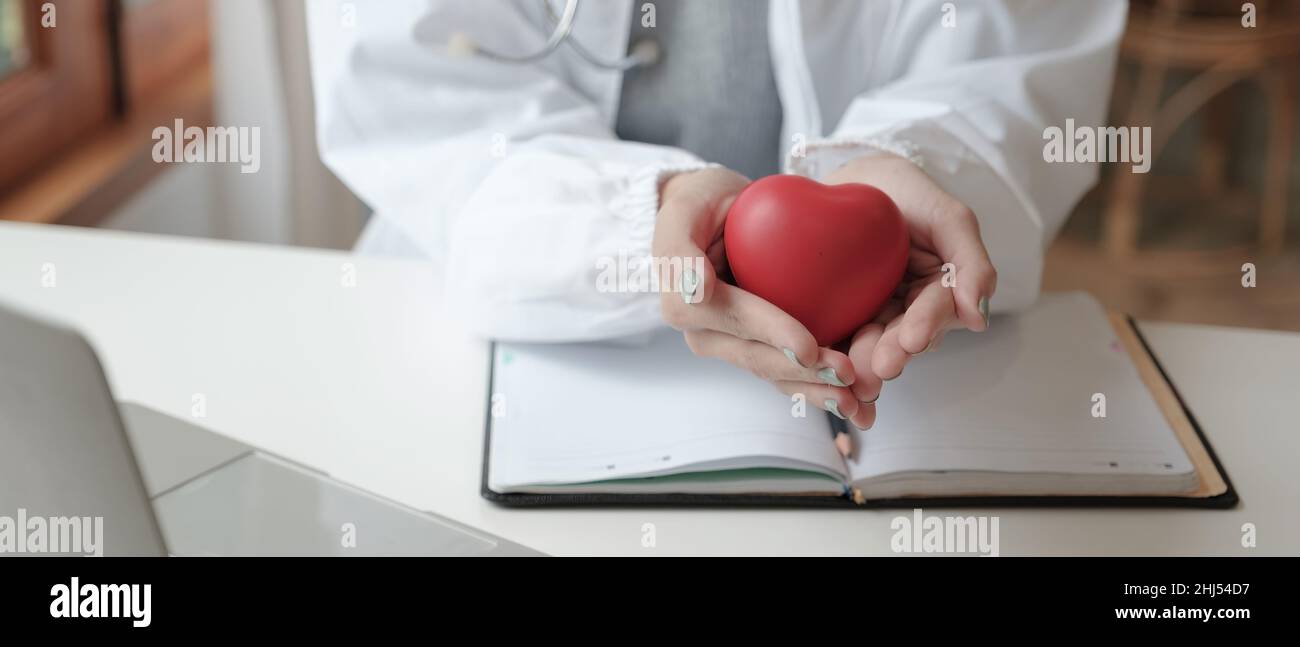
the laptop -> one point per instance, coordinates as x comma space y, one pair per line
151, 484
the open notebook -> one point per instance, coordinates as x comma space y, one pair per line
1008, 414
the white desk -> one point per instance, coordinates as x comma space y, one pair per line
374, 385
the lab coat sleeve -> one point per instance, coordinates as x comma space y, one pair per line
505, 174
966, 90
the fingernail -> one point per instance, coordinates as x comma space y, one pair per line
872, 400
984, 310
834, 407
794, 359
690, 283
828, 376
887, 379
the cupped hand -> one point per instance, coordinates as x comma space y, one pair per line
949, 279
722, 321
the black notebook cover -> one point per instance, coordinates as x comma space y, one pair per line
1227, 499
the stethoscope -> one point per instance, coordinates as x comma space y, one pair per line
644, 53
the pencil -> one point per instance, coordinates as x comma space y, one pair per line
840, 434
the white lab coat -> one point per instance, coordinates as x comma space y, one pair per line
511, 174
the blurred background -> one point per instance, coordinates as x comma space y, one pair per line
78, 105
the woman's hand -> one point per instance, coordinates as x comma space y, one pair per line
723, 321
949, 278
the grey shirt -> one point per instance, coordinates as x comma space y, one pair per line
712, 92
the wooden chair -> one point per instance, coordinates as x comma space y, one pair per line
1207, 38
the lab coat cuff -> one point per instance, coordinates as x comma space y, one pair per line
819, 157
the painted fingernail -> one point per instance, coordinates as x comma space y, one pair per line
690, 283
984, 310
828, 376
794, 359
834, 407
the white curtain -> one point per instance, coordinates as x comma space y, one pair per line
262, 78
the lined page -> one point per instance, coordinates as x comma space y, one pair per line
573, 413
1020, 398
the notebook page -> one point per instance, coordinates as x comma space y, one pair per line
572, 413
1019, 398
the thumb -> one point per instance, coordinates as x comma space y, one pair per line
680, 263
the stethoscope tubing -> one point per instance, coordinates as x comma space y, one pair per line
563, 33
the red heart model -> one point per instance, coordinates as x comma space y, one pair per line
829, 255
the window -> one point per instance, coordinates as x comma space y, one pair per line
161, 41
56, 84
82, 84
14, 51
